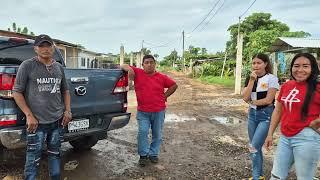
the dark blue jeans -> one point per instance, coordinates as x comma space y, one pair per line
258, 127
52, 134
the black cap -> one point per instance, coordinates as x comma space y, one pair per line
43, 38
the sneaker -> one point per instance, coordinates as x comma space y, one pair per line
260, 178
143, 161
154, 159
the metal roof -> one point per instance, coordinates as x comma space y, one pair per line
287, 43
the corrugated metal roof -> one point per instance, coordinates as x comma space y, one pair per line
288, 43
302, 42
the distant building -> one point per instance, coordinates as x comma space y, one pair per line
284, 48
88, 59
74, 55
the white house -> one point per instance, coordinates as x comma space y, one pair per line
87, 59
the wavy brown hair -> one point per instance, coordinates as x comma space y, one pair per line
265, 59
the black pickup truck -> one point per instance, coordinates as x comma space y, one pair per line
98, 99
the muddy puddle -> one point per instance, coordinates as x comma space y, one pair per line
228, 120
171, 118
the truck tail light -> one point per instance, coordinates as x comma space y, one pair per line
6, 85
122, 85
6, 120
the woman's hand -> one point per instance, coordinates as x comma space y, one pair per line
315, 124
253, 76
268, 142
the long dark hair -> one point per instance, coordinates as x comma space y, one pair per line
311, 81
265, 59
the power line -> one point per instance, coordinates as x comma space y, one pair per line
213, 15
206, 16
168, 44
247, 9
149, 43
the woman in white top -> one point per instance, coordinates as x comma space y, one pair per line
259, 92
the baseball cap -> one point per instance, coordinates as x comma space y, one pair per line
43, 38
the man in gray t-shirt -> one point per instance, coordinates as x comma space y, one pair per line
41, 92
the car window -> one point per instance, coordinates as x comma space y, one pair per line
15, 54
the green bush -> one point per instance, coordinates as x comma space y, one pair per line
225, 81
214, 68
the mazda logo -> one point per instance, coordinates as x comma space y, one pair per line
80, 90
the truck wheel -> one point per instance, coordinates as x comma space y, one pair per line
84, 143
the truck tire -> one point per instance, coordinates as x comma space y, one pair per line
84, 143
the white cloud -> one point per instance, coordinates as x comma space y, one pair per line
103, 25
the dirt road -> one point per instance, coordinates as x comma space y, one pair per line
205, 137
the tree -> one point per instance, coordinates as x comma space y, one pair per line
17, 29
146, 51
156, 56
25, 30
14, 27
194, 50
170, 59
203, 51
259, 32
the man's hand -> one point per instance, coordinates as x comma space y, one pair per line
127, 68
32, 123
268, 142
315, 124
67, 116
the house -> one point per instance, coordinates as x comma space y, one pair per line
68, 50
284, 48
87, 59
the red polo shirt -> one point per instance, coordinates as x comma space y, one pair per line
291, 96
150, 90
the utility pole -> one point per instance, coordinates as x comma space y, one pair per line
174, 59
142, 44
190, 66
237, 88
183, 61
138, 59
131, 59
121, 54
224, 63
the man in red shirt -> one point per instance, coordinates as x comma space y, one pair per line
150, 88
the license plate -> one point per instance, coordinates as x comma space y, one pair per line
78, 125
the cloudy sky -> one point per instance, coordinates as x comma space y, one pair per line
103, 25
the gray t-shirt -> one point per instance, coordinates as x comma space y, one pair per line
42, 88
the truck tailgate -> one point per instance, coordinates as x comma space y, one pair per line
91, 91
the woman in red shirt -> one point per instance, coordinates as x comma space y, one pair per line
298, 110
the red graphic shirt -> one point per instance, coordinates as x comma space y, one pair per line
150, 90
291, 96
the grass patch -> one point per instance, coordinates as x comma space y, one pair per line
224, 81
165, 68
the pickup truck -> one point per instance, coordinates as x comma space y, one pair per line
98, 99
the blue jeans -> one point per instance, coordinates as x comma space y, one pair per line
145, 121
302, 149
258, 126
53, 135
